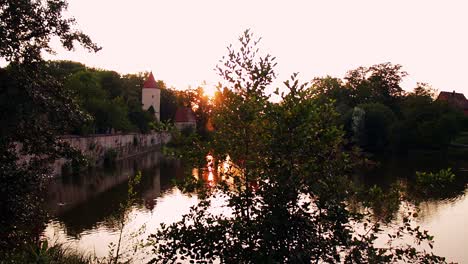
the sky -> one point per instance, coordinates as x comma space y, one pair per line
182, 41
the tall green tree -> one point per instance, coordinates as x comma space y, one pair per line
378, 126
379, 83
285, 198
28, 25
110, 82
34, 110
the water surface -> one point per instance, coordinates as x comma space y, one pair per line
84, 207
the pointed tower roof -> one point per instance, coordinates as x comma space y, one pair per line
150, 82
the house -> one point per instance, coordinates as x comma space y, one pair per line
185, 118
454, 99
151, 96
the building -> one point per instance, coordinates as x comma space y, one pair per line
151, 96
454, 99
185, 118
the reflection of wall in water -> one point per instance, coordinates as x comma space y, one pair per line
150, 187
68, 191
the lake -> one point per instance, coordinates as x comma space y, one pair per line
84, 207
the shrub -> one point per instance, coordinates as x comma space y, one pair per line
435, 183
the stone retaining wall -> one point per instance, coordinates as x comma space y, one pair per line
95, 147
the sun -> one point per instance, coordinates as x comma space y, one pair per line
209, 90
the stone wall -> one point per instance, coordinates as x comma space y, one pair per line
95, 147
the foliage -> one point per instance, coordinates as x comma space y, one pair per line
162, 127
34, 110
108, 106
357, 125
378, 122
28, 26
202, 112
384, 203
142, 120
168, 104
377, 84
426, 124
398, 120
284, 196
45, 253
435, 183
330, 88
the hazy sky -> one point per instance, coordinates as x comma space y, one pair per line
182, 41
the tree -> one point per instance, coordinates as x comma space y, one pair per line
110, 82
426, 124
330, 88
28, 25
87, 91
378, 124
168, 104
285, 197
118, 115
131, 86
35, 109
62, 70
379, 83
202, 107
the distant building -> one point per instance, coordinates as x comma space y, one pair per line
151, 96
454, 99
185, 118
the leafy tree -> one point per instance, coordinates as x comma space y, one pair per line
131, 89
377, 84
34, 110
424, 90
118, 115
142, 120
28, 25
425, 123
202, 111
91, 97
168, 104
285, 192
394, 119
330, 88
378, 125
62, 70
108, 112
110, 82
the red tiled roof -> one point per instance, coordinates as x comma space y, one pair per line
150, 82
453, 98
184, 114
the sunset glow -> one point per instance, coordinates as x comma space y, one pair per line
209, 90
183, 41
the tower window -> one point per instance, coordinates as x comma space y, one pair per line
152, 96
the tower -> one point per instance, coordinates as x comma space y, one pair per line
151, 96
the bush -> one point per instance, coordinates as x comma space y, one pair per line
435, 183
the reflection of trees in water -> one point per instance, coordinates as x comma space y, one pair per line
88, 201
392, 183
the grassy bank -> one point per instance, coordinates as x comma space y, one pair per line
47, 254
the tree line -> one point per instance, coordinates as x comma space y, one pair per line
111, 101
378, 115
